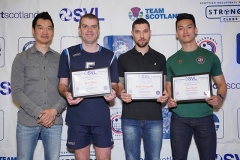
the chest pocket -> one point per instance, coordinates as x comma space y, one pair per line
52, 70
32, 70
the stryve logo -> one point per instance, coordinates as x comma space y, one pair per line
66, 14
226, 13
5, 88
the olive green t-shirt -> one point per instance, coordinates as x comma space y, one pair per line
198, 61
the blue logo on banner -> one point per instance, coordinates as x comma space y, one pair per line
216, 121
28, 45
238, 48
5, 88
166, 123
66, 14
118, 44
227, 156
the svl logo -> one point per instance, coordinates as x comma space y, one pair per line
191, 79
238, 48
66, 14
227, 156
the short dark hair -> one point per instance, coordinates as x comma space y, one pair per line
42, 15
140, 21
182, 16
89, 16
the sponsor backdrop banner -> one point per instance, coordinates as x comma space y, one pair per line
218, 24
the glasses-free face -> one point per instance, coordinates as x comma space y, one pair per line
141, 35
43, 31
89, 30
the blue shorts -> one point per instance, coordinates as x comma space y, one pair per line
80, 136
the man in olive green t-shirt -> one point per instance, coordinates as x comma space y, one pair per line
193, 118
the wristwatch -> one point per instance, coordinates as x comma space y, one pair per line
221, 96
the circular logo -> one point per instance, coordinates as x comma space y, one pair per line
65, 14
135, 13
216, 122
105, 87
200, 60
157, 92
28, 45
209, 45
116, 124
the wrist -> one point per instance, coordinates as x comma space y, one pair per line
222, 97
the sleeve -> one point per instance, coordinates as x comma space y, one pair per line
17, 86
60, 105
64, 71
216, 69
114, 70
120, 67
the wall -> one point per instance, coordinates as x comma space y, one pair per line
218, 23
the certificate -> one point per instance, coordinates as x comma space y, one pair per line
90, 82
144, 85
190, 88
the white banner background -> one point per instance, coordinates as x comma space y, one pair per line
218, 23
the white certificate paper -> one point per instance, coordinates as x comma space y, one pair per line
195, 87
144, 85
91, 82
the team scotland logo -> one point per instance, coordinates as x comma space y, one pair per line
200, 60
65, 14
116, 125
135, 13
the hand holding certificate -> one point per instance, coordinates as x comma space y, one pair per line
91, 82
190, 88
144, 85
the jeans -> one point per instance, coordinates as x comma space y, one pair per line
150, 130
27, 138
181, 132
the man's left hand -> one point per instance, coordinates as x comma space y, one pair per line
48, 117
214, 100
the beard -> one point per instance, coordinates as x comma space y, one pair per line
142, 45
